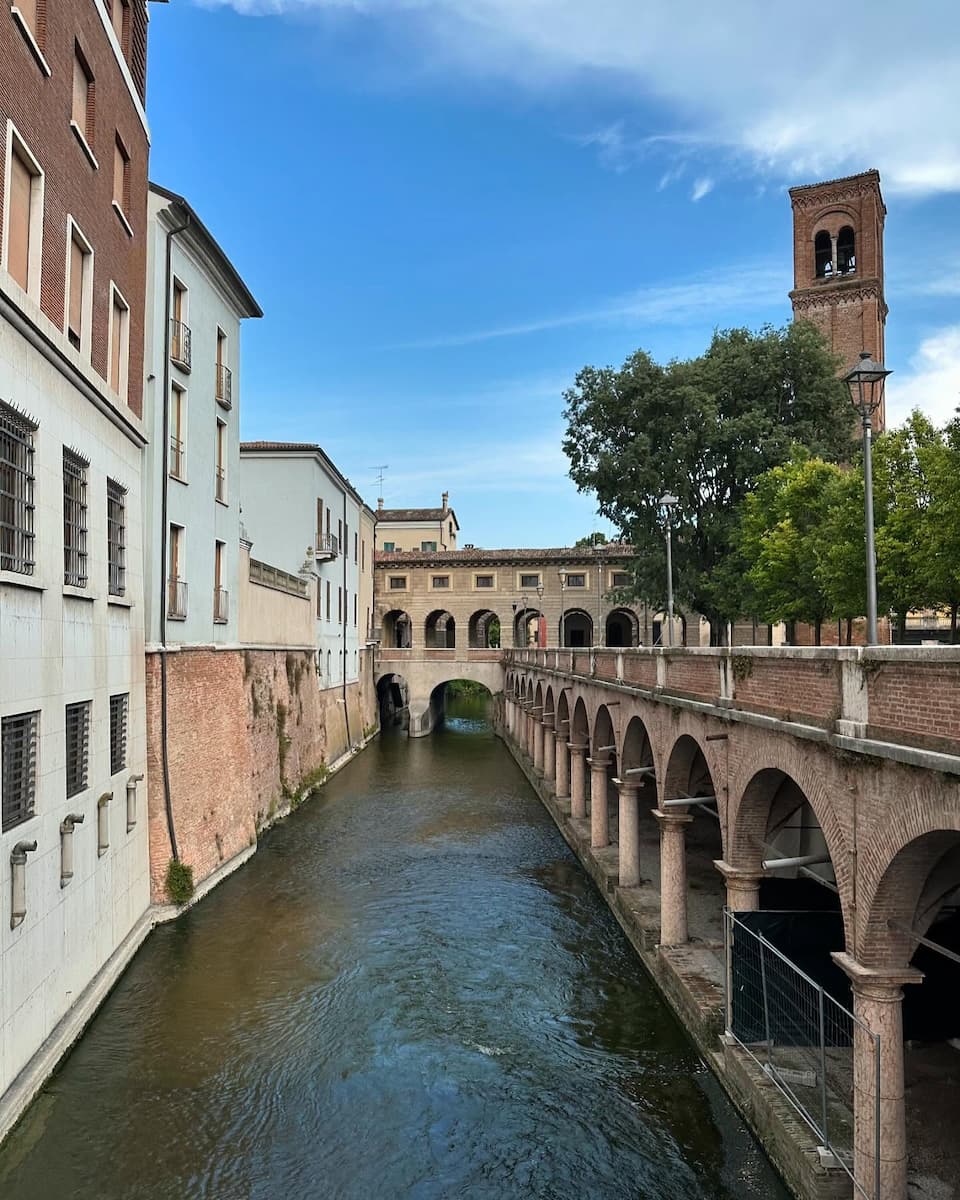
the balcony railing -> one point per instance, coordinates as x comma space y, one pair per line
177, 599
327, 547
224, 386
273, 577
221, 605
221, 487
180, 344
177, 457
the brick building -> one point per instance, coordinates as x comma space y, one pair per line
73, 181
838, 265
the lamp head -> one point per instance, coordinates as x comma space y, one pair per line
865, 381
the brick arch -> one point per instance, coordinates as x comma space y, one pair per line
604, 731
822, 220
580, 722
549, 704
752, 793
899, 870
563, 714
538, 695
687, 767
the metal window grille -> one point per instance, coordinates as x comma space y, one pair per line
19, 737
180, 343
74, 519
177, 598
116, 538
224, 386
118, 732
398, 583
16, 490
441, 581
529, 580
178, 454
221, 488
221, 605
576, 581
484, 581
77, 745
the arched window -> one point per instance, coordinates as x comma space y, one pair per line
823, 254
846, 251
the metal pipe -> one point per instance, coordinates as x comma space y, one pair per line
103, 823
640, 771
18, 881
923, 941
802, 860
66, 846
686, 800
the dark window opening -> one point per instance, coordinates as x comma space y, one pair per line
846, 251
823, 254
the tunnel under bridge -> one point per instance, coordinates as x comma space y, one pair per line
419, 674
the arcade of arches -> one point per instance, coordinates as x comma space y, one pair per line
681, 812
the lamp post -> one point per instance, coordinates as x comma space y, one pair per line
667, 501
563, 587
865, 380
600, 639
539, 608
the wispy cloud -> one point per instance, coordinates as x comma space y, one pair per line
933, 382
720, 297
701, 188
743, 77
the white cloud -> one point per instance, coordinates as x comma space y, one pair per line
933, 382
799, 96
718, 296
701, 188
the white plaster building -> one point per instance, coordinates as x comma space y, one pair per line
296, 503
196, 301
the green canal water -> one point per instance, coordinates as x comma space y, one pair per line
412, 990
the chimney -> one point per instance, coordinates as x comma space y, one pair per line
445, 500
379, 504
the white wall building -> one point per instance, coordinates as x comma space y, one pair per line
295, 503
195, 303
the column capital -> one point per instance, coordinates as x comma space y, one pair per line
599, 761
577, 747
670, 820
748, 876
876, 983
626, 786
548, 720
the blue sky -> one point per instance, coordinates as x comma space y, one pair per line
446, 207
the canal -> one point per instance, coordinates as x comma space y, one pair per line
412, 990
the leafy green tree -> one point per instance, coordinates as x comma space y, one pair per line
842, 557
943, 525
593, 539
705, 430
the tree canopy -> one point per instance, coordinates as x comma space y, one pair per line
705, 430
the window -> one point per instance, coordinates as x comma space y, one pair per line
576, 581
388, 547
620, 579
221, 598
428, 546
179, 329
77, 746
116, 538
121, 178
81, 113
176, 586
74, 519
120, 20
119, 342
846, 251
354, 608
450, 530
483, 581
319, 545
823, 254
78, 309
178, 432
339, 605
224, 384
339, 534
363, 555
529, 581
355, 547
31, 16
23, 220
19, 737
16, 490
118, 732
398, 583
328, 599
440, 581
221, 482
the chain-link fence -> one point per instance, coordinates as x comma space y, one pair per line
803, 1040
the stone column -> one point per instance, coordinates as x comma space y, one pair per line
578, 780
673, 876
629, 834
878, 1003
531, 722
599, 813
549, 749
508, 715
538, 744
562, 766
743, 887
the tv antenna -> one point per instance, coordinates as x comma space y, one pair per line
380, 468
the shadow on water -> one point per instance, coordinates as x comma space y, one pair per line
412, 990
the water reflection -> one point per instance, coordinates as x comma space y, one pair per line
412, 990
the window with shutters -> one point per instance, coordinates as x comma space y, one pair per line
16, 490
77, 746
398, 583
428, 546
440, 581
120, 20
118, 732
176, 584
23, 218
116, 538
119, 342
178, 432
576, 581
483, 581
388, 547
31, 16
74, 519
529, 581
354, 608
121, 182
339, 605
19, 740
328, 599
82, 109
78, 292
220, 484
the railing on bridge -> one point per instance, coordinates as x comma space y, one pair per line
902, 694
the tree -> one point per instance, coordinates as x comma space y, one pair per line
943, 525
842, 557
705, 430
593, 539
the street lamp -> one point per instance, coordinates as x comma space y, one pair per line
563, 586
865, 380
667, 502
539, 608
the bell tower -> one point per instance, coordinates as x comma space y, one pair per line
838, 265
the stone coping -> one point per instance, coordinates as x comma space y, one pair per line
860, 654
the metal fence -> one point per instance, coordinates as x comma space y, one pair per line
802, 1038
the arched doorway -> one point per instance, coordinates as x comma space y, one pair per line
622, 628
392, 698
397, 630
440, 631
483, 630
526, 627
577, 628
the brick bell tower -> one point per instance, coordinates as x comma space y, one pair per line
838, 265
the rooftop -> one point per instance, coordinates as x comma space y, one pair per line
398, 515
615, 551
